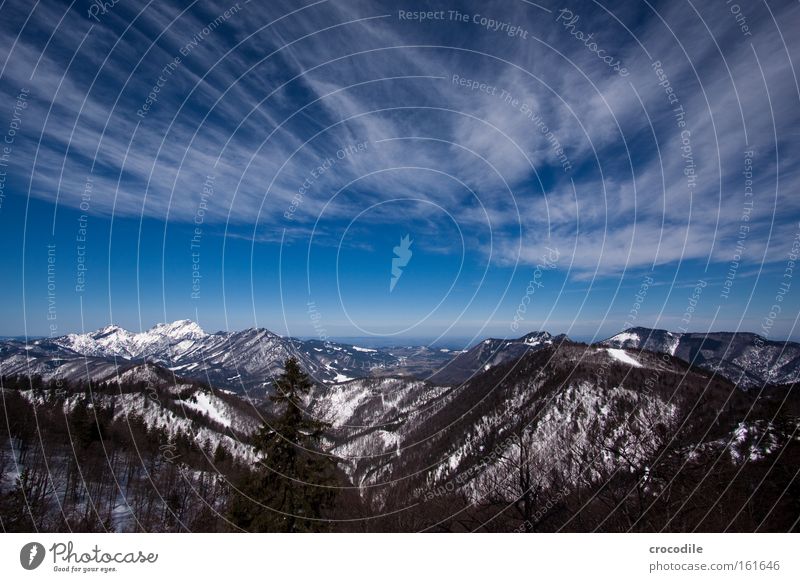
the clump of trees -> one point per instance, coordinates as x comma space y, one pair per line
70, 462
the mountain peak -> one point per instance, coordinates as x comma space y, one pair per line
179, 329
535, 338
108, 330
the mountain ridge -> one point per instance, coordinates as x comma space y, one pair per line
747, 359
247, 360
571, 421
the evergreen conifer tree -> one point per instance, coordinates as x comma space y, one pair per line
293, 486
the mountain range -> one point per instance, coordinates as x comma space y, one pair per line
248, 360
244, 360
492, 427
513, 424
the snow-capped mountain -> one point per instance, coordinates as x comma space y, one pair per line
243, 360
641, 338
249, 359
746, 359
114, 341
489, 353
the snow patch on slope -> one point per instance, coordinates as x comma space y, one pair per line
207, 404
626, 337
622, 356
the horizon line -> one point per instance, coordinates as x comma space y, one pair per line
401, 339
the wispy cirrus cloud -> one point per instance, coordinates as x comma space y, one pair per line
264, 99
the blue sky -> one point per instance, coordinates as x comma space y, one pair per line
233, 163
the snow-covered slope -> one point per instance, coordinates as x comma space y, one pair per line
746, 359
624, 357
245, 360
573, 415
113, 341
371, 416
201, 413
